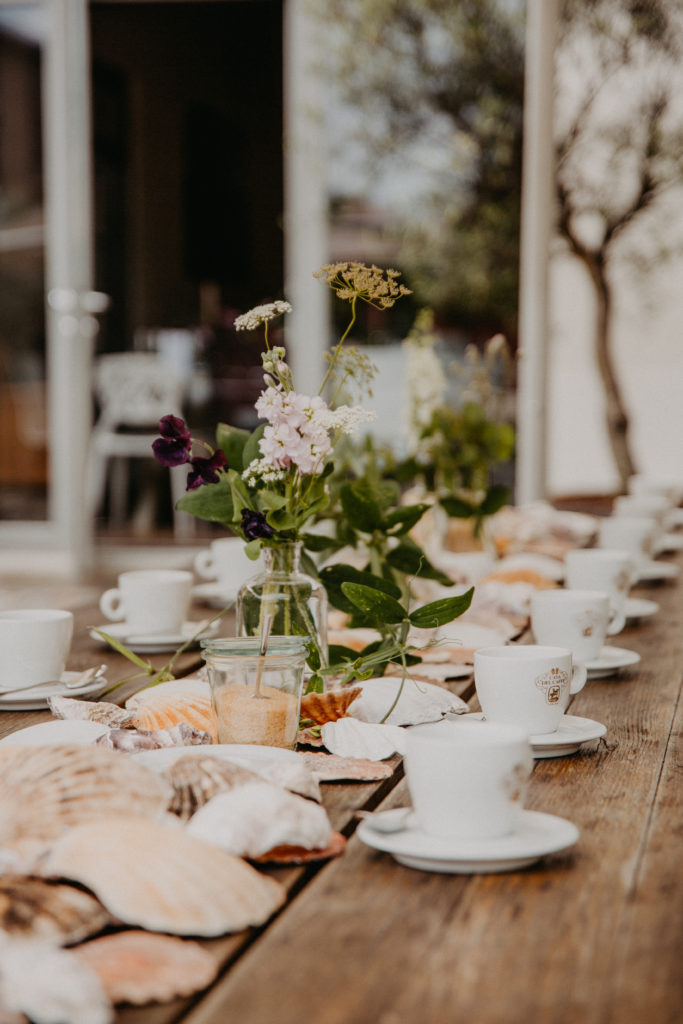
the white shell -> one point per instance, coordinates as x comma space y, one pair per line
50, 985
103, 711
419, 702
350, 738
254, 818
155, 875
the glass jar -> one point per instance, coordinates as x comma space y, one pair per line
256, 697
293, 603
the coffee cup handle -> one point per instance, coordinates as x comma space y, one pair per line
203, 563
579, 676
111, 605
616, 623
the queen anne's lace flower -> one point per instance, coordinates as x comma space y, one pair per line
253, 318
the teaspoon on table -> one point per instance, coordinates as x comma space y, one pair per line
76, 683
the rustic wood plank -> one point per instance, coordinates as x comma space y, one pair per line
555, 942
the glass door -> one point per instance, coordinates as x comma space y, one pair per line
47, 307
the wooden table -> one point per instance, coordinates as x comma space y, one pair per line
594, 935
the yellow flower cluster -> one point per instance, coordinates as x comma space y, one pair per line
358, 281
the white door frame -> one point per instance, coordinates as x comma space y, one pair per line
70, 302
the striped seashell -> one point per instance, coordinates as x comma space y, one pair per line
328, 707
154, 875
142, 967
195, 780
31, 908
167, 704
101, 711
46, 790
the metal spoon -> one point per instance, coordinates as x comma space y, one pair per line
265, 634
77, 683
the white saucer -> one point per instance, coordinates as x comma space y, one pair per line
656, 572
162, 643
35, 698
537, 835
670, 542
609, 661
214, 595
571, 733
639, 608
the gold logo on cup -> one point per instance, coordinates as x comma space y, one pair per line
552, 684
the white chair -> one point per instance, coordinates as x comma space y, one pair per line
133, 390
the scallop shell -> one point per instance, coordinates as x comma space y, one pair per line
350, 738
328, 707
143, 967
252, 819
195, 780
331, 768
167, 704
155, 875
48, 789
31, 908
101, 711
132, 741
50, 985
418, 702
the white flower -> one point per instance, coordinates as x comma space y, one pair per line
261, 314
345, 418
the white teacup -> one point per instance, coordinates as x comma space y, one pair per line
151, 601
578, 619
641, 483
226, 562
528, 685
34, 644
635, 534
467, 780
606, 569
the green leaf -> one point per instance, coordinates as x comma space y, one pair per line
375, 603
317, 542
360, 507
315, 684
333, 576
125, 651
403, 519
281, 519
271, 500
252, 548
210, 501
409, 558
251, 449
438, 613
457, 508
232, 440
496, 496
340, 655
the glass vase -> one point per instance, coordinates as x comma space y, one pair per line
283, 600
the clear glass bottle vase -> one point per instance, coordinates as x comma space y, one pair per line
292, 602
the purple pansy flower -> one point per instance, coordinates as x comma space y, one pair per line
173, 447
205, 471
255, 526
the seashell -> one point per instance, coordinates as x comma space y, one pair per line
418, 702
132, 741
328, 707
50, 985
252, 819
196, 780
155, 875
101, 711
48, 789
299, 855
297, 778
142, 967
181, 700
351, 738
31, 908
530, 576
332, 768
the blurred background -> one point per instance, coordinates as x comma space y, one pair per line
165, 166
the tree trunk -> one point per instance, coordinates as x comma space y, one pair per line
616, 415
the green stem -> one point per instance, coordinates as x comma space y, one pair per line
341, 341
404, 674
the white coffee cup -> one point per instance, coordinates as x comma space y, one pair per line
34, 644
527, 685
226, 562
578, 619
467, 780
641, 483
607, 569
151, 601
635, 534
